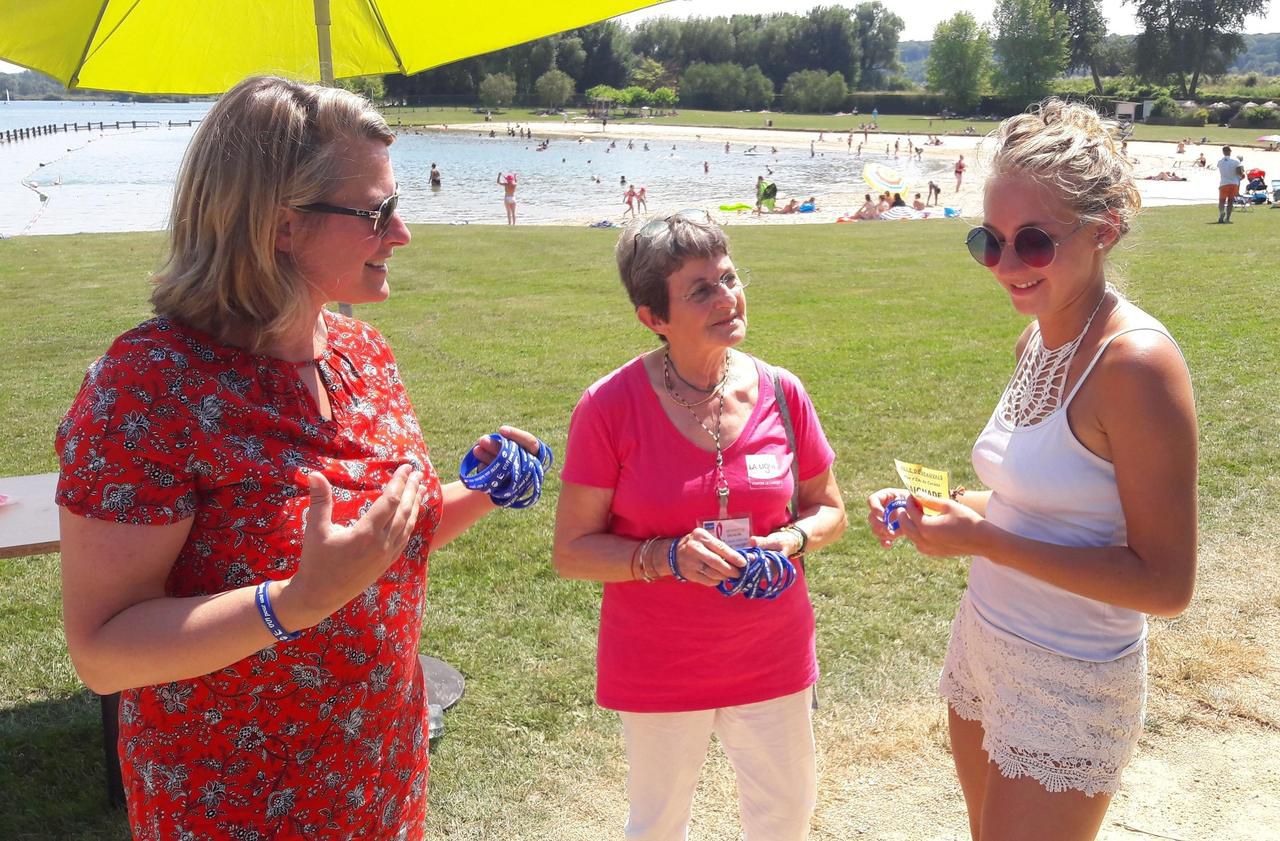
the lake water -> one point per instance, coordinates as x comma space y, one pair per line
122, 180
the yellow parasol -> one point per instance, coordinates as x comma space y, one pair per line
202, 47
883, 179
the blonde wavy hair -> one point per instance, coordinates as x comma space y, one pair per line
268, 144
1070, 149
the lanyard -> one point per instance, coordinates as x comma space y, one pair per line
722, 483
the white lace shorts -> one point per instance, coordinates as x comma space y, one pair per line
1065, 723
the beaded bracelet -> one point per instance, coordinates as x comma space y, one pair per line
513, 479
269, 616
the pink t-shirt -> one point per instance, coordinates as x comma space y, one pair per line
670, 646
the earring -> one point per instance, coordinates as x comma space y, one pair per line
1101, 246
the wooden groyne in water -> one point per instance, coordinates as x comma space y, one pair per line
14, 135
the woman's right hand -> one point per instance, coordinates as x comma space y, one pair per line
877, 502
340, 562
704, 559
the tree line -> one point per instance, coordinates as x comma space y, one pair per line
814, 61
1030, 43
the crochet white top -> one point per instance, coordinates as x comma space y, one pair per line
1045, 485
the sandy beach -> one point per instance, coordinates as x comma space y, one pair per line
1150, 158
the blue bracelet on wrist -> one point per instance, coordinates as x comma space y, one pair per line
269, 616
671, 559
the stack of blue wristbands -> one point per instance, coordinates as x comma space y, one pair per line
513, 479
768, 574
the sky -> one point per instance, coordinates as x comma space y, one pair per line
921, 16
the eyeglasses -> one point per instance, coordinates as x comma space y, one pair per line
381, 217
733, 280
1034, 247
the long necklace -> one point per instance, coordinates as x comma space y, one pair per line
722, 483
1038, 385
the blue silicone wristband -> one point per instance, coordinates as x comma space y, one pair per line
671, 559
513, 479
767, 575
897, 505
269, 616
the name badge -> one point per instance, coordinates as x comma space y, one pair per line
763, 466
735, 531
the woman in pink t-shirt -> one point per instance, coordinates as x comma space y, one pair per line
674, 461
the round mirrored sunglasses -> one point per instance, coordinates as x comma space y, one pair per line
1033, 246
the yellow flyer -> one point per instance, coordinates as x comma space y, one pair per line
924, 482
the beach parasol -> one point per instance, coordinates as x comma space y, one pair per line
883, 179
199, 47
901, 213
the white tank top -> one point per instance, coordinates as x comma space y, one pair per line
1045, 485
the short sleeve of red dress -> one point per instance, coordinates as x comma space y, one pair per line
323, 737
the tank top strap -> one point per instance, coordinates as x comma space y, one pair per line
1084, 376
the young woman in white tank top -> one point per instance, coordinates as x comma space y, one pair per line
1090, 521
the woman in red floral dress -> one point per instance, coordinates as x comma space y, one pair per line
247, 500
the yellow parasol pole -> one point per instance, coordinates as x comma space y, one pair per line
325, 49
323, 42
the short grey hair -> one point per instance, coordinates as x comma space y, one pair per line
645, 261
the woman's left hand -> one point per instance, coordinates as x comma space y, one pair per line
486, 449
949, 529
780, 541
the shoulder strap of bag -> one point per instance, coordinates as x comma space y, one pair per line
780, 396
783, 409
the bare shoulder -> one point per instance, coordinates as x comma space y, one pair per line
1141, 343
1143, 372
1023, 339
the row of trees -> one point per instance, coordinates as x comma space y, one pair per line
1029, 43
741, 61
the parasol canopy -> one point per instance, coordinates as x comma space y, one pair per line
901, 213
883, 179
201, 47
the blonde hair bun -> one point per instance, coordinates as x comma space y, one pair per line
1071, 149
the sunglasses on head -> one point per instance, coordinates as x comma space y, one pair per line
381, 217
1034, 247
656, 226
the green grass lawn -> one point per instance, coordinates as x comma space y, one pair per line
902, 340
889, 123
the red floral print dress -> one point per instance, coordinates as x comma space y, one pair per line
323, 737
